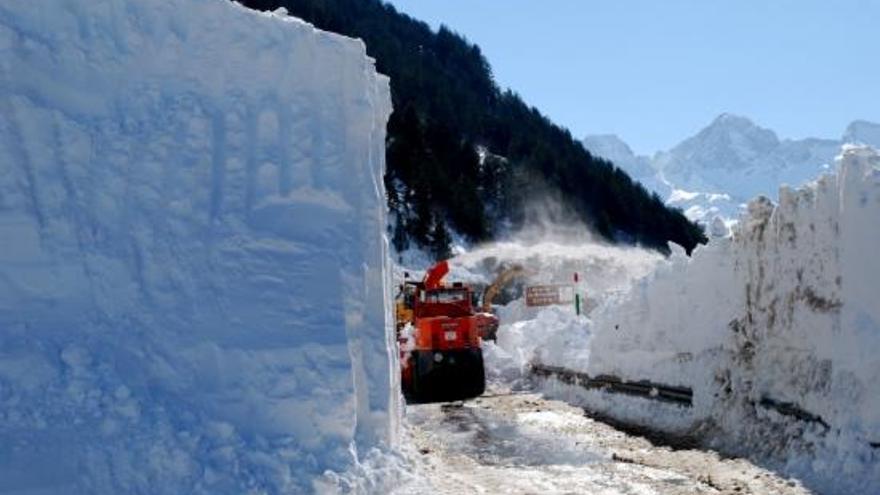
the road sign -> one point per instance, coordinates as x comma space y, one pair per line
549, 295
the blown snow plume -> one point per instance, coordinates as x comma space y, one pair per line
776, 329
193, 273
551, 246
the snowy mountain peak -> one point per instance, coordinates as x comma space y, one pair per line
863, 132
612, 148
608, 146
728, 162
733, 120
735, 133
732, 150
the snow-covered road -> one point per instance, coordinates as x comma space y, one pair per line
520, 443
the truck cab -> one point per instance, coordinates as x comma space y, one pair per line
441, 357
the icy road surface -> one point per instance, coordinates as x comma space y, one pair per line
520, 443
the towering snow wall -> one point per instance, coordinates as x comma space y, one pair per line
776, 329
193, 273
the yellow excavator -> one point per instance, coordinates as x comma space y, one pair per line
491, 291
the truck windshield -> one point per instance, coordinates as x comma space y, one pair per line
446, 296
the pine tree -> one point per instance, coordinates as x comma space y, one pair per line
440, 239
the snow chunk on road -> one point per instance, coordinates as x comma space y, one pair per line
556, 335
193, 274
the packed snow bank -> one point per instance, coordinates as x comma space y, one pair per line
193, 274
776, 329
555, 335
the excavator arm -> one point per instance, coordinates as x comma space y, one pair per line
501, 281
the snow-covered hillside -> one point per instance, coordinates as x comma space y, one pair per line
732, 160
781, 316
193, 273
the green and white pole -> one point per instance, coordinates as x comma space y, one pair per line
577, 296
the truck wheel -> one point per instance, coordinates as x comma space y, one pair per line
477, 375
458, 375
407, 377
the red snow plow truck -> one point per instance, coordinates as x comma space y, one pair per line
440, 330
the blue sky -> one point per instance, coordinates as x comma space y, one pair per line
656, 71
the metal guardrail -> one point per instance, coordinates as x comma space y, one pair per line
667, 393
792, 410
609, 383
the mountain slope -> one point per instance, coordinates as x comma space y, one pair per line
447, 108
